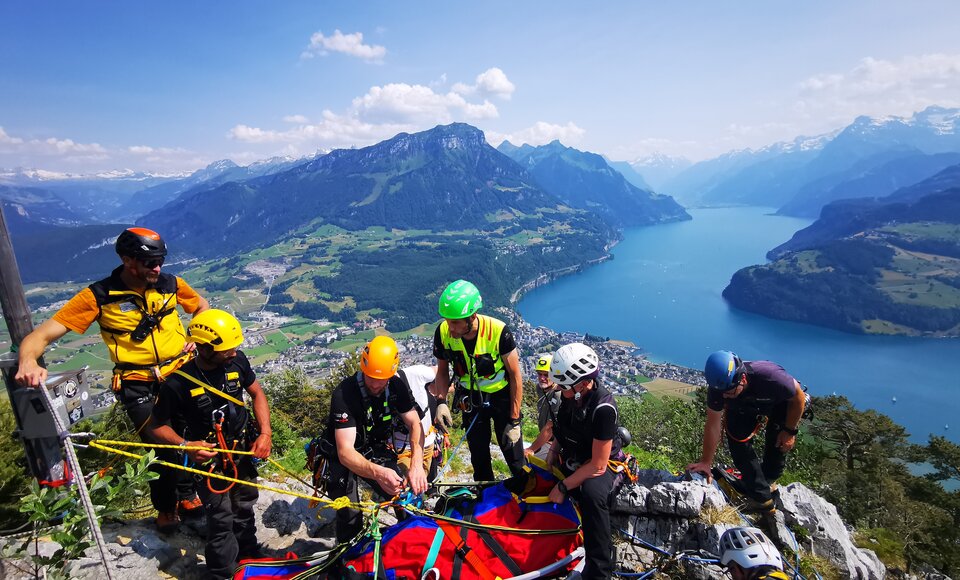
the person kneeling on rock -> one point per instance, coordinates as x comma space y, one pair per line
206, 395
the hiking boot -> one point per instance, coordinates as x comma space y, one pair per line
168, 522
762, 508
190, 508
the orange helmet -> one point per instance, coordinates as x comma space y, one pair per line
380, 358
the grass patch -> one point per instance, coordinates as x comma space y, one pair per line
294, 461
650, 459
354, 341
530, 430
500, 468
726, 514
888, 547
666, 388
811, 566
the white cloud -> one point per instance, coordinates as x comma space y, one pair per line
60, 154
157, 151
254, 134
7, 139
332, 131
493, 82
417, 103
882, 87
349, 44
439, 82
382, 112
540, 133
49, 147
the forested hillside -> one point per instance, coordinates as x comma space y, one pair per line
887, 266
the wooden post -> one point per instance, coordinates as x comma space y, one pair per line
42, 446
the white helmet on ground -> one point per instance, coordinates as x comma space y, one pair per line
573, 363
749, 548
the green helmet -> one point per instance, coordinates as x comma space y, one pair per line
461, 299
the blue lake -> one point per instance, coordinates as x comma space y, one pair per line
662, 291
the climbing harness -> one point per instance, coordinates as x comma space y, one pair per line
761, 424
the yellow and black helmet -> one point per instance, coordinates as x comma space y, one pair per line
217, 328
543, 362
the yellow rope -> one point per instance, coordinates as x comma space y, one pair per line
339, 503
342, 502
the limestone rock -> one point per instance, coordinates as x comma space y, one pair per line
828, 534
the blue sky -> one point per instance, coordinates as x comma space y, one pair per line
173, 85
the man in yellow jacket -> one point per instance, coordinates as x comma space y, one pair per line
136, 309
482, 353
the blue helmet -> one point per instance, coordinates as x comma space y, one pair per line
723, 370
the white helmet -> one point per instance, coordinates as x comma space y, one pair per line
749, 548
573, 363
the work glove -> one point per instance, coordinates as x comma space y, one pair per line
511, 433
443, 420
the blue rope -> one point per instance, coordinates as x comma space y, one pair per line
663, 552
644, 543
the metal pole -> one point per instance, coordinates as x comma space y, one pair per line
81, 484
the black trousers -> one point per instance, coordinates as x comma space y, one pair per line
137, 398
757, 475
231, 524
343, 483
479, 436
593, 497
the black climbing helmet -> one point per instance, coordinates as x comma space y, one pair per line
141, 243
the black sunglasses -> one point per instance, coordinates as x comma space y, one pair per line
151, 263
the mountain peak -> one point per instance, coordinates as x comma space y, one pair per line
221, 165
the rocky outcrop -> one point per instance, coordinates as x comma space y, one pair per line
676, 516
828, 535
660, 517
137, 551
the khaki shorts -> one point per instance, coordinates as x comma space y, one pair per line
404, 458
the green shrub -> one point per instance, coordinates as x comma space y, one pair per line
108, 494
885, 543
14, 479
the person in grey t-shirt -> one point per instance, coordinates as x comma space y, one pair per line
547, 404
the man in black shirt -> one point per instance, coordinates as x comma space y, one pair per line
748, 395
364, 409
483, 355
586, 440
206, 395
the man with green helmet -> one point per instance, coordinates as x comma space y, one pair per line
486, 366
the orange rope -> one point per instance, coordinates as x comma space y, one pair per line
227, 458
761, 423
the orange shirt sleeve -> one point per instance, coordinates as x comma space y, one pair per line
187, 297
79, 312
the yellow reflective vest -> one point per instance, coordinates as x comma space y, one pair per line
122, 310
465, 364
